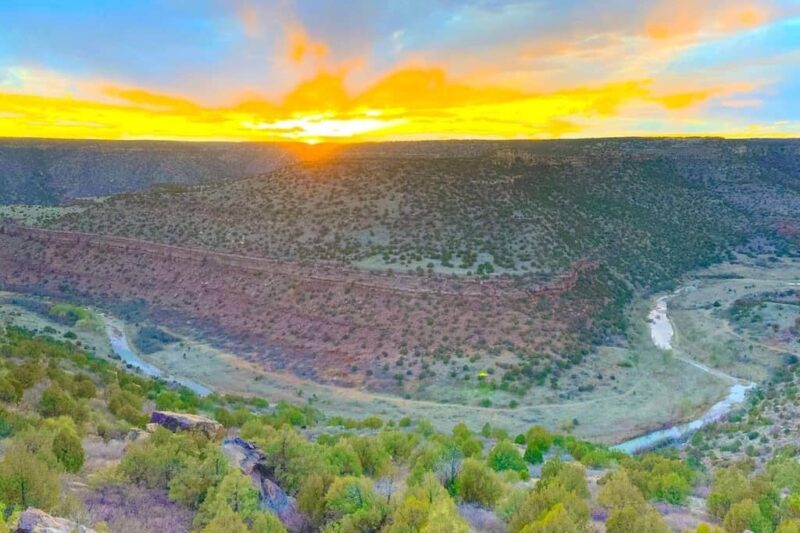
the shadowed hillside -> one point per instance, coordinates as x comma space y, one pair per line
649, 209
35, 171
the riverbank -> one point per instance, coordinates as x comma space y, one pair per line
643, 388
662, 333
122, 348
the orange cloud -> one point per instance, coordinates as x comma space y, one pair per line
300, 46
685, 18
683, 100
148, 98
249, 19
426, 88
408, 103
743, 17
324, 92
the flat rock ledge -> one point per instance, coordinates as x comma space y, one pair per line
188, 422
37, 521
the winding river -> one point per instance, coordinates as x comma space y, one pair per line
122, 348
661, 332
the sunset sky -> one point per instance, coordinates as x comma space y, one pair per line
353, 70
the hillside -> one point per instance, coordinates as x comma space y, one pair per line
467, 244
79, 453
326, 322
646, 211
649, 210
34, 171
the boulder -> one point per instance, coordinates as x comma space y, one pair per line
251, 461
137, 435
188, 422
37, 521
283, 505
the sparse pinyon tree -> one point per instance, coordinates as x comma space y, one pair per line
234, 494
27, 480
476, 483
68, 450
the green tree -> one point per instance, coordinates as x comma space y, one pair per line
744, 515
26, 375
660, 478
68, 450
225, 521
790, 525
476, 483
570, 476
426, 507
57, 402
193, 481
353, 506
8, 393
729, 486
293, 458
154, 462
398, 444
343, 459
442, 458
83, 387
533, 455
461, 431
264, 522
373, 458
505, 456
630, 519
27, 480
556, 520
538, 437
670, 487
443, 517
619, 492
235, 493
471, 447
311, 498
126, 405
542, 500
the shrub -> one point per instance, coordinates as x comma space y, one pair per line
68, 450
505, 456
744, 515
8, 393
476, 483
57, 402
27, 480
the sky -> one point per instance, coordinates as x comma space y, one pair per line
373, 70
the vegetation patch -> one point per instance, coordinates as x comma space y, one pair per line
150, 339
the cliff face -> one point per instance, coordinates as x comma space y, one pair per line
251, 461
320, 321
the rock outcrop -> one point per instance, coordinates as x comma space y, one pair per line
37, 521
188, 422
251, 461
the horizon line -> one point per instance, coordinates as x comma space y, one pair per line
678, 136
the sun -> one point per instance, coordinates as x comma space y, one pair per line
327, 126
